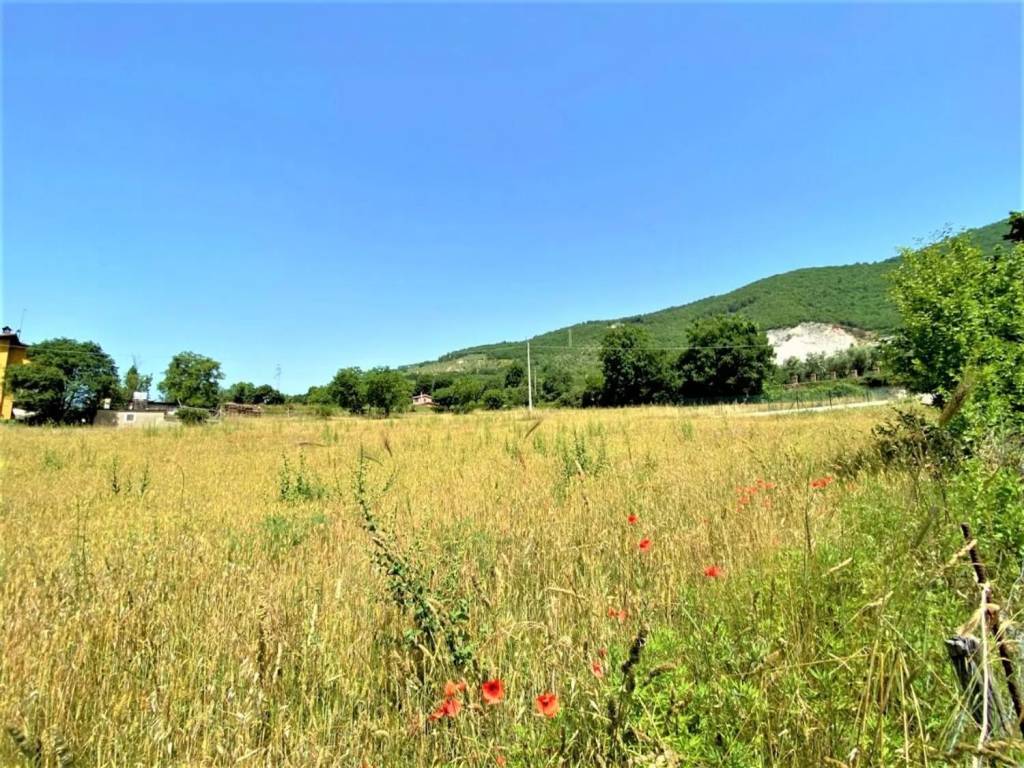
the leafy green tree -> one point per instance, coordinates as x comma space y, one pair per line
388, 391
1016, 233
241, 392
318, 396
726, 356
265, 394
634, 372
515, 375
556, 383
65, 380
134, 382
192, 379
593, 389
963, 322
348, 389
466, 393
816, 365
493, 399
790, 369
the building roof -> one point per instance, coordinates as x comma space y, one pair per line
11, 337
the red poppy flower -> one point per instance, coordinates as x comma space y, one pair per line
822, 482
617, 613
547, 704
500, 760
632, 519
453, 689
712, 571
492, 691
645, 544
447, 708
597, 669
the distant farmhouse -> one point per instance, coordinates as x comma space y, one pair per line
140, 412
12, 352
423, 399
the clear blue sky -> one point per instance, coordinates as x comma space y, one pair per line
327, 185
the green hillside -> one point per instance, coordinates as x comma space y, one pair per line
854, 296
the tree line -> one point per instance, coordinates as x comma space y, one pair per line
962, 312
68, 380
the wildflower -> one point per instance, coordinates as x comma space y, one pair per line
632, 519
617, 613
597, 669
645, 544
453, 689
500, 760
447, 708
492, 691
712, 571
822, 482
547, 704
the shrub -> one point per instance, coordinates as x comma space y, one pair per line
493, 399
300, 484
191, 416
323, 411
908, 440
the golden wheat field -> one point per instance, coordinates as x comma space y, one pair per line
217, 595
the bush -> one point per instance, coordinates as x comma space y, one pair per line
908, 440
191, 416
493, 399
300, 483
323, 410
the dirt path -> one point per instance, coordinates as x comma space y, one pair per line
821, 408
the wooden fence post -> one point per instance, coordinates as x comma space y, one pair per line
995, 624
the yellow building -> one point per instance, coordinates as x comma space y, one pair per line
12, 352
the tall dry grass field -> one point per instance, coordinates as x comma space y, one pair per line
218, 595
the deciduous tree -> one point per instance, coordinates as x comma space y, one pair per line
388, 391
634, 372
726, 356
192, 379
348, 389
963, 321
65, 380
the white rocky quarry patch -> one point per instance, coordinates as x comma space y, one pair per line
808, 339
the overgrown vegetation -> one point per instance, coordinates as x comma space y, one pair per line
790, 619
610, 588
854, 296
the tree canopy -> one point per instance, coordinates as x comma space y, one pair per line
135, 382
1016, 233
248, 393
726, 356
634, 372
388, 391
348, 390
963, 322
192, 379
65, 380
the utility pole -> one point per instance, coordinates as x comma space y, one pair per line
529, 380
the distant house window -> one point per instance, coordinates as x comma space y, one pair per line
129, 417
